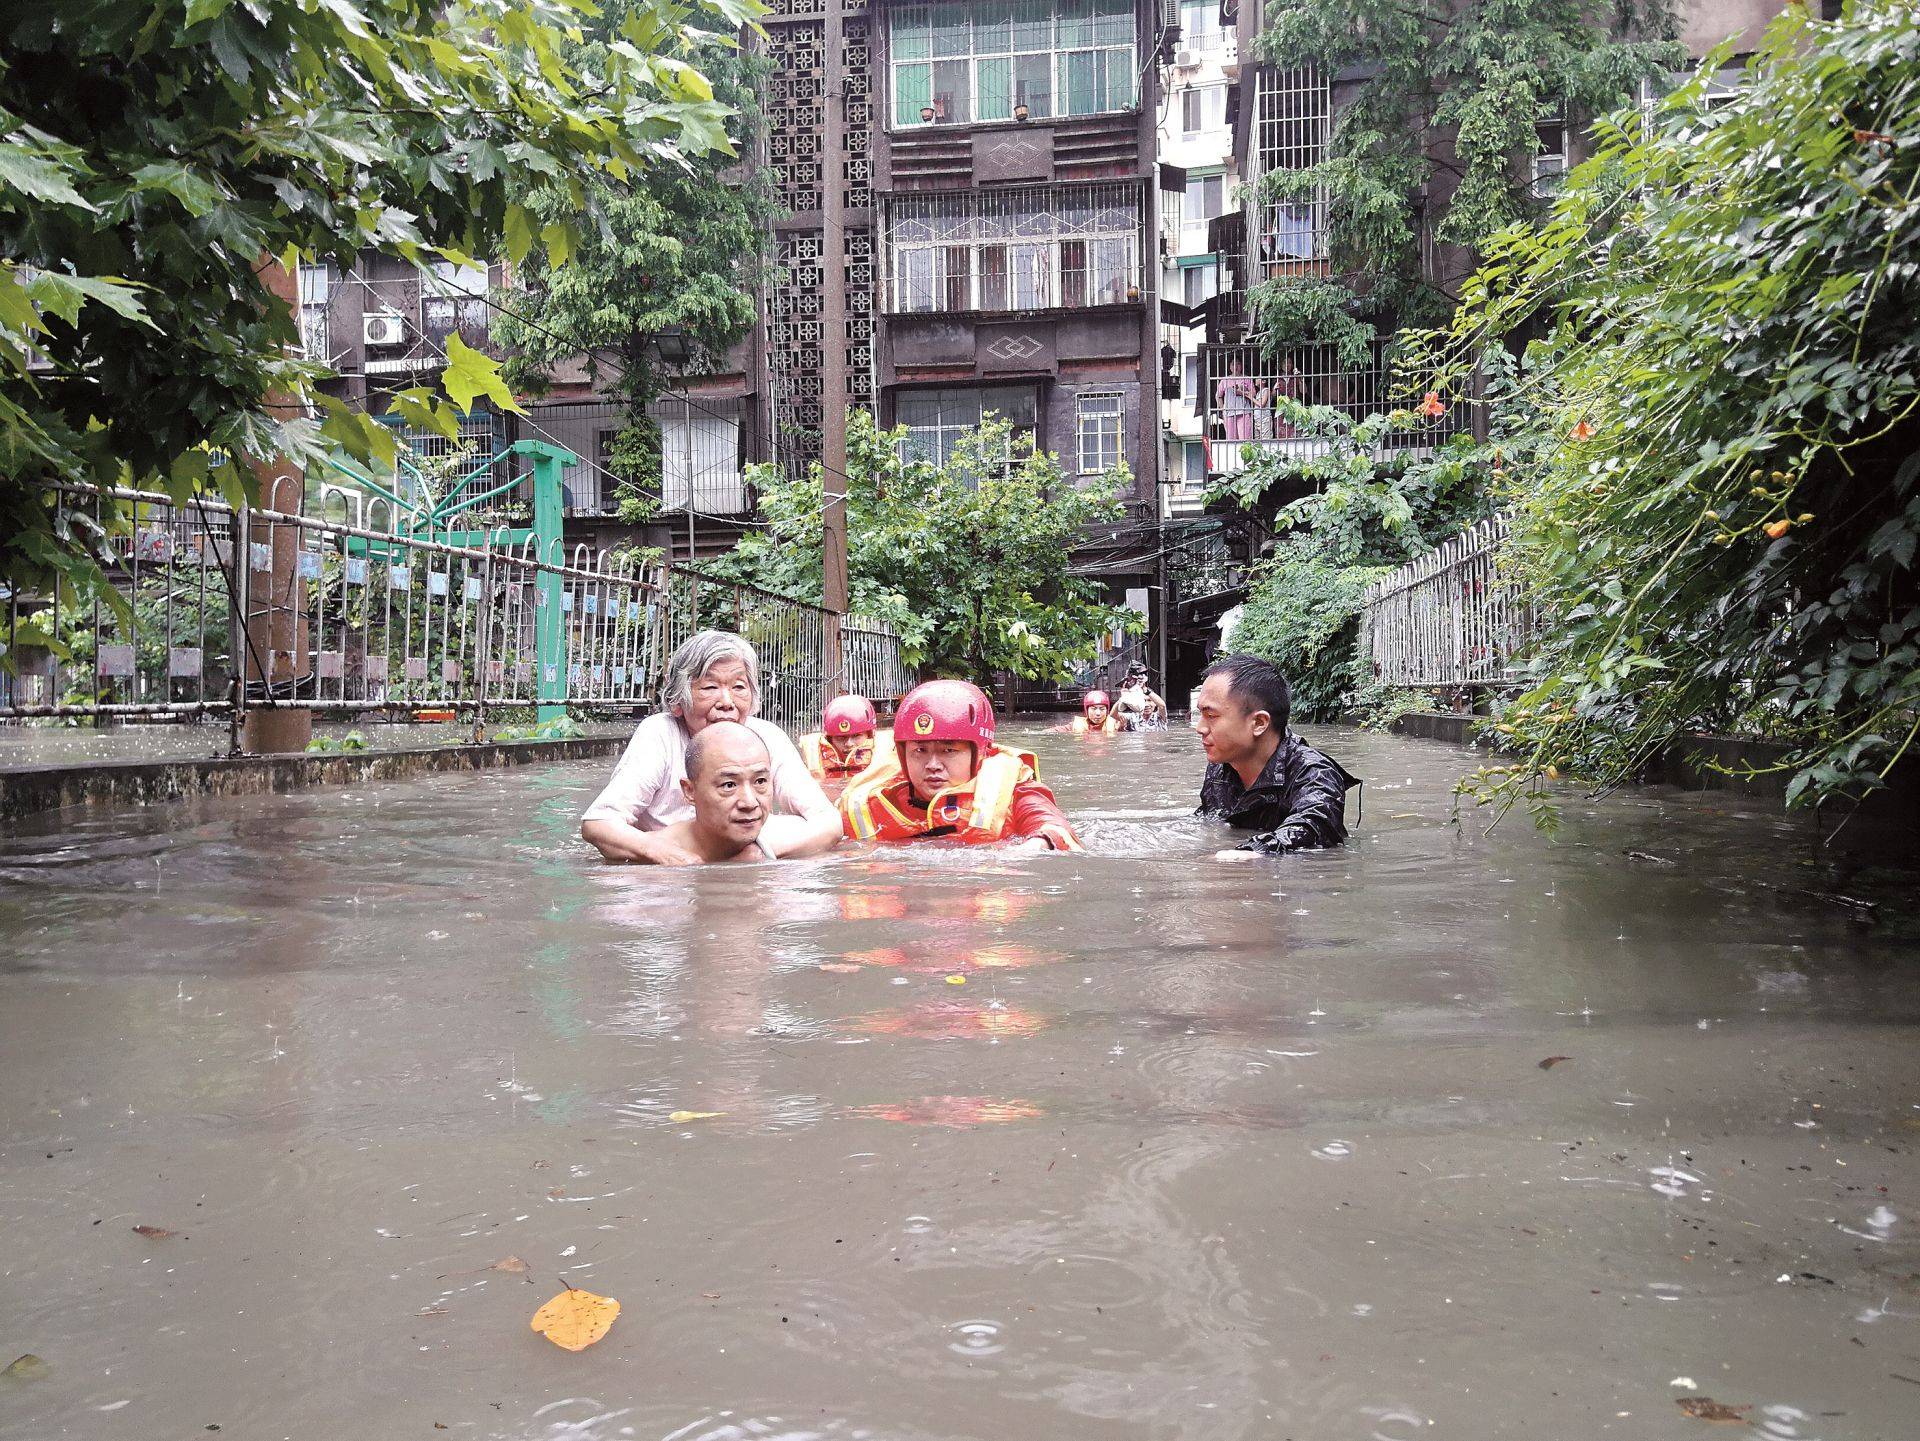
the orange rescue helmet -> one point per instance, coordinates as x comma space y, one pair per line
1093, 698
849, 715
945, 710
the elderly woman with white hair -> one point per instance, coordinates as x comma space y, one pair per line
714, 676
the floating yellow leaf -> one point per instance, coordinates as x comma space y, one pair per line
956, 980
576, 1319
678, 1116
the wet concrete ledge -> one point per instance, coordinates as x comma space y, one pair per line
1692, 762
31, 790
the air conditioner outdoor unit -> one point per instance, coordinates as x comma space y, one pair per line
383, 329
1185, 59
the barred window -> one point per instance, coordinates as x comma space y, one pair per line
1292, 119
1030, 249
955, 64
1100, 418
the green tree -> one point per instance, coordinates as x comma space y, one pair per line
1724, 532
1367, 510
679, 247
1452, 95
970, 561
152, 157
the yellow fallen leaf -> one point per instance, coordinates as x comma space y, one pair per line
576, 1319
678, 1116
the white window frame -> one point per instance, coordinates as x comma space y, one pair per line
1200, 29
454, 296
1209, 286
1192, 213
1033, 29
1210, 103
1549, 164
1070, 247
1099, 425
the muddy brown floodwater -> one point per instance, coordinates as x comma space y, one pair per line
939, 1144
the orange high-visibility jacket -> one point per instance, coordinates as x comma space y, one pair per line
825, 763
1004, 801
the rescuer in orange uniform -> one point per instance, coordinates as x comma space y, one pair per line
948, 779
1096, 716
846, 743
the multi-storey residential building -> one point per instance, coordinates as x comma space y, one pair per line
970, 188
383, 326
1200, 180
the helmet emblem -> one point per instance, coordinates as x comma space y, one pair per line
923, 724
845, 725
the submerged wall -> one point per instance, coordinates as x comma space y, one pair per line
31, 789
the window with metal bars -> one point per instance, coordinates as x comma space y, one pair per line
1032, 249
1011, 59
1099, 426
1292, 118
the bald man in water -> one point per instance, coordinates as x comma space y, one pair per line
730, 787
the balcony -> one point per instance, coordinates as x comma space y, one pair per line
1242, 388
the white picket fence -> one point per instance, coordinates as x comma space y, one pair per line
1449, 618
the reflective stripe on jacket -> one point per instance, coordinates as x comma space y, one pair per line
1005, 800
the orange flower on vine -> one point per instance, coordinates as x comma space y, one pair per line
1432, 406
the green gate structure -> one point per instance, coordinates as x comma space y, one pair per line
434, 522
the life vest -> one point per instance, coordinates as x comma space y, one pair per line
1108, 727
875, 806
825, 762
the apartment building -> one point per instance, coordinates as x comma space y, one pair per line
383, 326
1200, 181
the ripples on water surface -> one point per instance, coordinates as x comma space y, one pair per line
1124, 1144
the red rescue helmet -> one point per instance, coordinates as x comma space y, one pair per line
945, 710
1093, 698
849, 715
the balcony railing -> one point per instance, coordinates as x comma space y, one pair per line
1243, 389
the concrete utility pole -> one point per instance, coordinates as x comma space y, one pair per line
833, 379
273, 637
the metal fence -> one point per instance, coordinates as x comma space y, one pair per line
870, 655
1449, 618
346, 612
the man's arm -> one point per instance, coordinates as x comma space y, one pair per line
1035, 815
618, 841
1316, 814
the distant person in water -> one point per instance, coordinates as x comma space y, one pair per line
1260, 776
846, 743
948, 779
729, 784
1140, 707
1096, 716
714, 676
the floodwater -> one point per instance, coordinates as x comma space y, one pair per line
939, 1144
